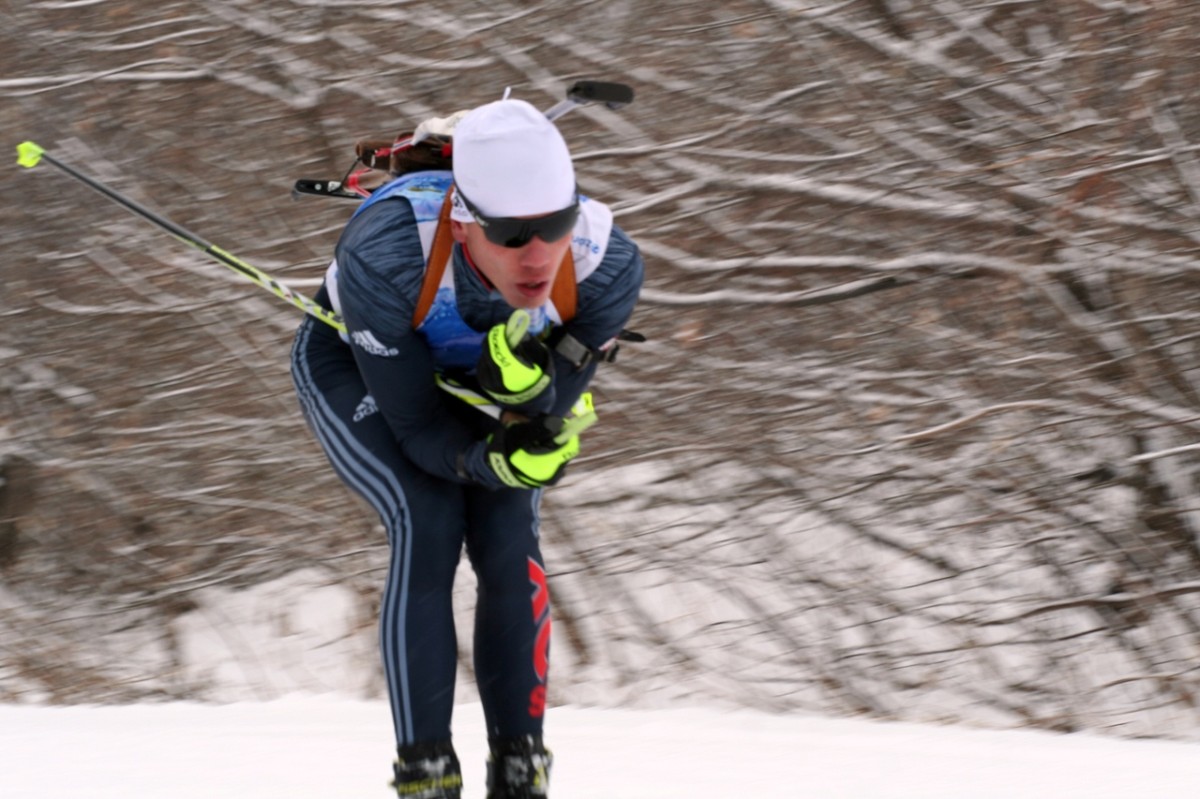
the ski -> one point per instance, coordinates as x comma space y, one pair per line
371, 169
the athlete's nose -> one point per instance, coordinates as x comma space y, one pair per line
535, 254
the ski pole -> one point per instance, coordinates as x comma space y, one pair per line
30, 155
582, 416
613, 95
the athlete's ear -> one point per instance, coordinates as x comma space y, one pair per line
458, 230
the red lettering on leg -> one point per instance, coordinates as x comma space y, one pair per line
541, 591
537, 702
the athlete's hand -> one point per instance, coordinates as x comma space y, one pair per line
514, 367
535, 453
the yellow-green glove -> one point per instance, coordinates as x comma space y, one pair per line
514, 367
535, 453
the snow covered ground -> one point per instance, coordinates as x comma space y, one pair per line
323, 747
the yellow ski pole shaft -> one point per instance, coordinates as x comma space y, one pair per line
583, 416
30, 155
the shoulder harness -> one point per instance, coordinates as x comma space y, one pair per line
564, 294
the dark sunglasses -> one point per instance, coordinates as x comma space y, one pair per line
510, 232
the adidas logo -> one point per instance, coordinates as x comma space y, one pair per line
367, 341
365, 408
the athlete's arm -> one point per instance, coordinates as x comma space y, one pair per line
380, 269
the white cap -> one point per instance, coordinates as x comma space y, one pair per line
509, 160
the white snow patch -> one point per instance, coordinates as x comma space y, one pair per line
317, 748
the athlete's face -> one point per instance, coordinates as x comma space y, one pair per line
523, 275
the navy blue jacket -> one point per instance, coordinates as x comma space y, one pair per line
380, 270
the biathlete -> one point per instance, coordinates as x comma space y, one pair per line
497, 276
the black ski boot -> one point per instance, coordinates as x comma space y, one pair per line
428, 771
519, 768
